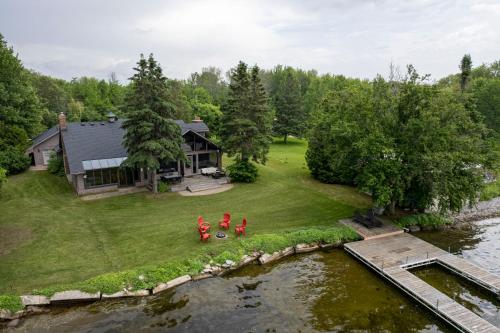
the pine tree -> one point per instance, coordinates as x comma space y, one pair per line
151, 136
245, 131
466, 69
290, 116
261, 115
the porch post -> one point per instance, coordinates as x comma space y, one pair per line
219, 159
179, 167
197, 166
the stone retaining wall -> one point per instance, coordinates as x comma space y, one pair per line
37, 303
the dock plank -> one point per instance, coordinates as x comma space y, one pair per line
392, 255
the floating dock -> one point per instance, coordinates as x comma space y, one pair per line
393, 255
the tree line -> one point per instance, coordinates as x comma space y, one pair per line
406, 140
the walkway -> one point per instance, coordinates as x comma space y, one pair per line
391, 256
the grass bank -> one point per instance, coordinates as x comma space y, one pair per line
49, 237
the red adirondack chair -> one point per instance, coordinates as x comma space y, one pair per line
204, 236
202, 225
240, 229
224, 223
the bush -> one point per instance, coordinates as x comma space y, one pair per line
163, 187
243, 172
424, 220
56, 165
10, 302
491, 191
3, 177
13, 160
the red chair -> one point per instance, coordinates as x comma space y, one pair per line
224, 224
202, 225
241, 229
204, 236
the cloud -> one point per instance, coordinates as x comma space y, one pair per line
351, 37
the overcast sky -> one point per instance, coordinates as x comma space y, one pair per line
70, 38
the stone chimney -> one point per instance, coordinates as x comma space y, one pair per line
197, 120
62, 122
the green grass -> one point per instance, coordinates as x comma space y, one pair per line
429, 220
49, 238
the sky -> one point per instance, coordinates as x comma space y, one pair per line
356, 38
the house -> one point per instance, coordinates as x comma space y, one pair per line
42, 147
93, 153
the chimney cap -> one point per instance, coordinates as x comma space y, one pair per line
197, 120
111, 117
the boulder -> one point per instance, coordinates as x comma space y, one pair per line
287, 252
328, 246
304, 248
171, 284
13, 323
267, 258
35, 300
74, 296
127, 293
245, 260
414, 228
5, 314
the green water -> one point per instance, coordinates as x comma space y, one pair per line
317, 292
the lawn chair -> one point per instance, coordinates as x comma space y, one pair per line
224, 223
204, 236
240, 229
202, 225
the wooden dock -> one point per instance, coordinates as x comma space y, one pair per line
392, 256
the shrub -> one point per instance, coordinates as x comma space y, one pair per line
163, 187
424, 220
11, 302
3, 177
491, 191
243, 172
56, 165
13, 160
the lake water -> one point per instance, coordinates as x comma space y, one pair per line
317, 292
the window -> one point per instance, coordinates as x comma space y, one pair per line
46, 154
101, 177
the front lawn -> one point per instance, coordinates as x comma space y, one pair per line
48, 236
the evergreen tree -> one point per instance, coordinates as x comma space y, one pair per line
152, 136
466, 69
290, 118
245, 131
261, 115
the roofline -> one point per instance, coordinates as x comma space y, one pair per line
50, 136
201, 136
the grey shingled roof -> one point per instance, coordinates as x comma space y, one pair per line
44, 136
197, 127
103, 140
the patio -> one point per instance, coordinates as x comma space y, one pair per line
198, 183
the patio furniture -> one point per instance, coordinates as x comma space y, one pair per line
224, 223
219, 174
370, 220
202, 225
240, 229
208, 171
204, 236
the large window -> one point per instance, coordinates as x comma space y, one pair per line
101, 177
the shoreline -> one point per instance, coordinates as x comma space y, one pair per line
481, 211
40, 304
